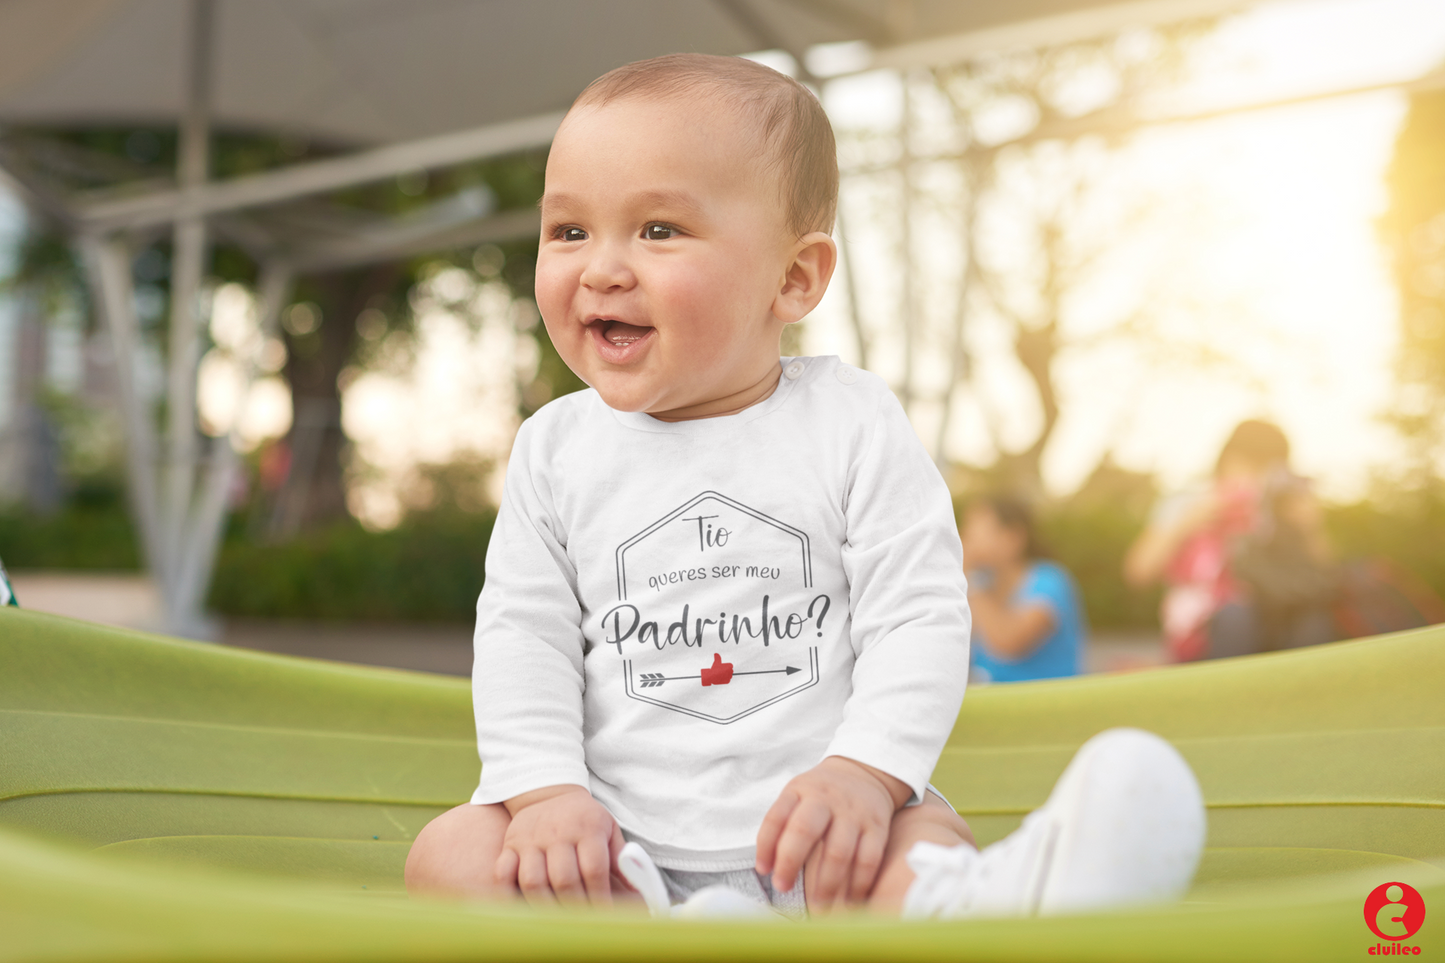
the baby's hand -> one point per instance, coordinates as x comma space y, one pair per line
843, 806
562, 846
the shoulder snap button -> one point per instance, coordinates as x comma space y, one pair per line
793, 370
847, 374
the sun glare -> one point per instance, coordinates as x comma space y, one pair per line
1279, 286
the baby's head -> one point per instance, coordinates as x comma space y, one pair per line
686, 219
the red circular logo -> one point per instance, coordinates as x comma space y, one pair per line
1394, 911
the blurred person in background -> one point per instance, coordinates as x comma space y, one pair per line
1027, 619
1244, 558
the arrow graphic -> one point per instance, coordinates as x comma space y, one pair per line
721, 673
650, 679
650, 687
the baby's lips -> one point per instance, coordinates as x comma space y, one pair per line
623, 330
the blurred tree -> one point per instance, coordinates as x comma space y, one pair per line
320, 327
1414, 229
1000, 175
321, 337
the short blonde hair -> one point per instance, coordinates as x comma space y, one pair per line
794, 129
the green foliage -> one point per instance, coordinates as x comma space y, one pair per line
428, 569
1090, 540
47, 264
92, 456
92, 532
431, 568
1089, 534
1414, 229
1407, 529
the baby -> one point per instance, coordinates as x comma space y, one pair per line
725, 625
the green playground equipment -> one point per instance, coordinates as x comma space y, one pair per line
163, 800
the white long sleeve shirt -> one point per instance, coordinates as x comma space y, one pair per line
683, 616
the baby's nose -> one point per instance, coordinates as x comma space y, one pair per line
607, 272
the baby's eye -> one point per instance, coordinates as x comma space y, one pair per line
659, 232
572, 234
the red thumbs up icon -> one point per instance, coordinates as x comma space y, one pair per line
719, 673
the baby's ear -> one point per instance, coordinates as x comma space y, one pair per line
814, 257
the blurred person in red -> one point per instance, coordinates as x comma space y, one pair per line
1244, 558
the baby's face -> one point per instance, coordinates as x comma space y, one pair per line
664, 249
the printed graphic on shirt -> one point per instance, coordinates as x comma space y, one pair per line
713, 536
741, 698
715, 574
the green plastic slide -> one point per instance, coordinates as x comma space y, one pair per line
163, 800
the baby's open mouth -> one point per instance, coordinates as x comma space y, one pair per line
621, 333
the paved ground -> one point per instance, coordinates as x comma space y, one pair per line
123, 599
131, 601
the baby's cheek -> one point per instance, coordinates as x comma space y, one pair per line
554, 298
709, 307
553, 291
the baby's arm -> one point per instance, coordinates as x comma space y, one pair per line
561, 846
909, 632
845, 806
527, 685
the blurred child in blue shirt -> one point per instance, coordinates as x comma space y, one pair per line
1027, 619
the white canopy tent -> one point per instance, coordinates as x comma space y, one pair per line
408, 85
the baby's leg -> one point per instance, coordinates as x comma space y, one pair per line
456, 854
932, 821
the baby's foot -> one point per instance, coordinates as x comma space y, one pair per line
710, 902
1124, 825
641, 872
713, 902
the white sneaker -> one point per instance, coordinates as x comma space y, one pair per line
1124, 825
711, 902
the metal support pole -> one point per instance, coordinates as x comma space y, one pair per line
107, 270
318, 177
206, 522
187, 267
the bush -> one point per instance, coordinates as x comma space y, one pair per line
431, 568
428, 569
82, 535
1406, 529
1090, 541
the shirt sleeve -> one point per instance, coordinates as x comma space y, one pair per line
527, 674
909, 606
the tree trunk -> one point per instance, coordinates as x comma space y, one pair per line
1036, 348
314, 492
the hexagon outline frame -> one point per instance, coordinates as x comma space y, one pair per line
676, 513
